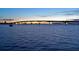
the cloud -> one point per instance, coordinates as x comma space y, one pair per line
67, 13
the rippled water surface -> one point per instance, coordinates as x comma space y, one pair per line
39, 38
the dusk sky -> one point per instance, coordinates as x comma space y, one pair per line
42, 12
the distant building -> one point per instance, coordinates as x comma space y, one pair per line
6, 20
76, 19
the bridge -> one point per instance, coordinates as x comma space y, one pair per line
39, 22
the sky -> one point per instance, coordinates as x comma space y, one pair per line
38, 12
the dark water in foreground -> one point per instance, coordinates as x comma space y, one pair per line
39, 38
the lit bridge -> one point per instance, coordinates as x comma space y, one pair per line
39, 22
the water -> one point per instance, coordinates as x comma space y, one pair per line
39, 38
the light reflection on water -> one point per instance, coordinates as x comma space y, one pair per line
39, 37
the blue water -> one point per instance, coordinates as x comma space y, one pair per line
39, 38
